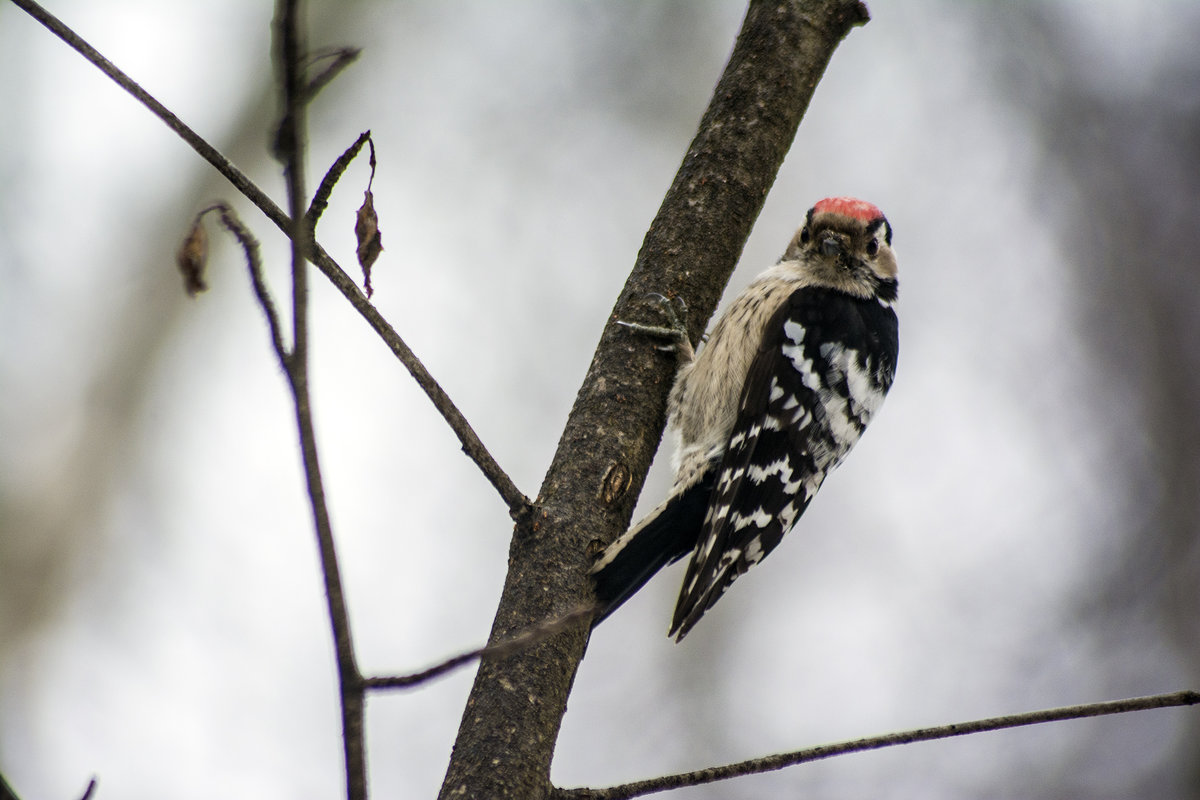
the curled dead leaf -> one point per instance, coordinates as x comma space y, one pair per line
370, 243
192, 258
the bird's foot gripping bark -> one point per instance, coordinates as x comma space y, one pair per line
674, 332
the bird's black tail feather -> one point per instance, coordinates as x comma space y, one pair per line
664, 537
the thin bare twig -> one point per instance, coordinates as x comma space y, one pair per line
320, 200
342, 58
781, 760
291, 148
519, 506
231, 222
506, 647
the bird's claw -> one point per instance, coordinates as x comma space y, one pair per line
676, 319
675, 331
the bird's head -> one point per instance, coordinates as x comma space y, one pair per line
846, 244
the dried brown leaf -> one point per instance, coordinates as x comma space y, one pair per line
192, 258
370, 243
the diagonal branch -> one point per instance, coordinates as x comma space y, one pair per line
6, 791
519, 506
781, 760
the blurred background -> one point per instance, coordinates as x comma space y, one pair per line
1018, 529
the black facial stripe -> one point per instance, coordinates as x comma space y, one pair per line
887, 229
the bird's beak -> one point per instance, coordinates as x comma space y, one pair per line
831, 246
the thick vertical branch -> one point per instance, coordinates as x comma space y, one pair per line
508, 732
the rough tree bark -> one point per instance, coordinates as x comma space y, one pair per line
511, 722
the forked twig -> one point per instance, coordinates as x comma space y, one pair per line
519, 506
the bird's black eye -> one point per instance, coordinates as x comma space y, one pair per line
872, 247
804, 235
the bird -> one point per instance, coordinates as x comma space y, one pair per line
781, 390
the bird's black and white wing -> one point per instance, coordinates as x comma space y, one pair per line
826, 361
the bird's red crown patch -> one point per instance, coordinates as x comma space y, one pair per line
849, 207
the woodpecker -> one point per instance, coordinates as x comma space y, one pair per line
789, 378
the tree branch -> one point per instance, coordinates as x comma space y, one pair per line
507, 647
506, 739
6, 791
781, 760
291, 141
258, 281
342, 57
519, 506
334, 174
